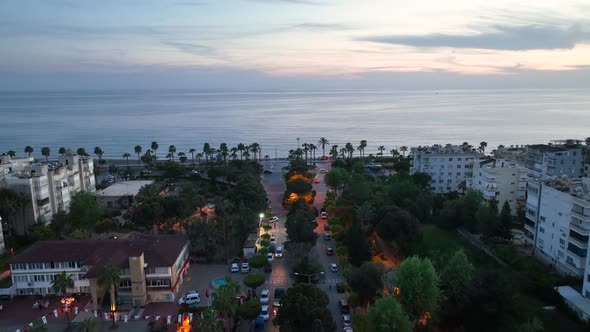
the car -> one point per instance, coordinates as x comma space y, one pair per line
279, 252
264, 296
323, 170
245, 267
269, 257
267, 268
279, 292
273, 240
190, 298
259, 324
327, 236
316, 180
333, 267
235, 267
273, 219
346, 320
264, 312
344, 308
194, 171
329, 251
347, 329
324, 215
327, 227
267, 171
340, 287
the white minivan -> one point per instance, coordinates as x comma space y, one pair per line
279, 252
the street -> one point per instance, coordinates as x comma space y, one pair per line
275, 188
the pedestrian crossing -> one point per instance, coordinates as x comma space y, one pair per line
285, 281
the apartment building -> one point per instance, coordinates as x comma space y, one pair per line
48, 186
152, 267
558, 222
2, 244
545, 161
502, 180
449, 166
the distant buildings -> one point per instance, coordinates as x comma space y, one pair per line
545, 161
449, 166
500, 179
152, 267
120, 195
48, 187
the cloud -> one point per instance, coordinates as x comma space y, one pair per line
515, 38
296, 2
189, 3
191, 48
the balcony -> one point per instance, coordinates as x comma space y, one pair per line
578, 243
578, 228
580, 216
529, 228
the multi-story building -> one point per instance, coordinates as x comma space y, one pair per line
500, 179
547, 161
152, 267
449, 166
2, 244
558, 222
48, 187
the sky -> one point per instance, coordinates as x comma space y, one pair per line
294, 44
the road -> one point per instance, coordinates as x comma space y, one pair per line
275, 188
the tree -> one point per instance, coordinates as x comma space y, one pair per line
138, 150
46, 151
299, 227
506, 220
336, 178
254, 280
361, 148
11, 153
98, 152
113, 169
381, 148
418, 286
403, 149
482, 147
365, 212
155, 147
110, 278
126, 155
208, 321
532, 325
192, 152
349, 148
309, 269
85, 212
81, 152
249, 310
29, 150
62, 151
323, 142
60, 285
456, 276
42, 232
301, 306
366, 281
37, 326
399, 226
487, 220
387, 315
88, 325
357, 244
225, 302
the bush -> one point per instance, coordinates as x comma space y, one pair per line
254, 280
264, 243
257, 261
263, 251
265, 236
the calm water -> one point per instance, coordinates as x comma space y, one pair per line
117, 121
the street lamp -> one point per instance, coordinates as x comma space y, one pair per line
309, 275
260, 221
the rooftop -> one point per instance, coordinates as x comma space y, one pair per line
447, 149
575, 298
579, 188
158, 250
124, 188
546, 148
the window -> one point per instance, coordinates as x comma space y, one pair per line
562, 242
541, 229
458, 166
450, 159
125, 283
158, 282
458, 173
19, 266
39, 277
542, 218
448, 188
441, 181
459, 159
450, 173
578, 251
560, 254
20, 279
449, 181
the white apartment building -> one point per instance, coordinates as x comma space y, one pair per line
549, 161
502, 180
558, 222
448, 166
49, 187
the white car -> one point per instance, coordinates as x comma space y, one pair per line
333, 267
347, 329
235, 267
264, 296
269, 257
324, 215
346, 320
322, 170
192, 297
279, 252
273, 219
245, 267
273, 240
264, 312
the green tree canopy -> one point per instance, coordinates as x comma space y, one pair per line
336, 177
456, 275
366, 281
418, 286
254, 280
399, 226
301, 306
387, 315
249, 310
85, 212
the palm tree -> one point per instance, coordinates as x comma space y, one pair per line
312, 147
192, 152
247, 154
81, 152
255, 148
343, 152
225, 302
365, 212
137, 150
206, 151
381, 148
241, 148
394, 153
403, 149
29, 149
199, 156
305, 150
110, 278
182, 157
234, 153
155, 147
209, 321
266, 157
60, 286
88, 325
126, 155
482, 146
350, 149
323, 142
45, 151
62, 151
172, 151
587, 141
334, 152
362, 147
223, 150
11, 153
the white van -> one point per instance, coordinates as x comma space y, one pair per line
190, 298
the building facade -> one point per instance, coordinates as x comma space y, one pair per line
502, 180
120, 195
48, 186
449, 166
152, 267
2, 244
548, 161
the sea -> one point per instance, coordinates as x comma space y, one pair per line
117, 121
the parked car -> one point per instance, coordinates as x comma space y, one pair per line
346, 320
279, 292
264, 296
316, 180
269, 257
264, 312
327, 236
329, 251
267, 171
273, 219
273, 240
344, 308
245, 267
327, 227
347, 329
324, 215
340, 287
279, 252
190, 298
322, 170
333, 267
235, 267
